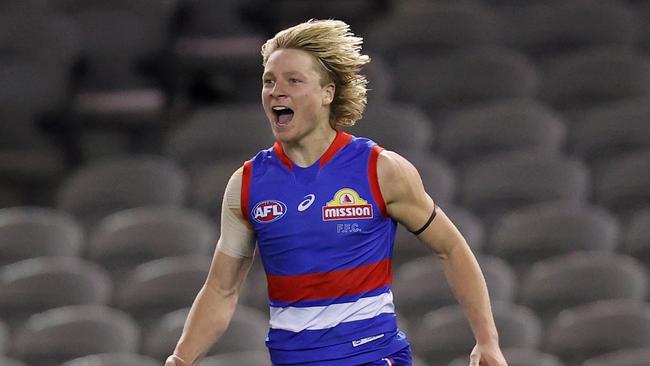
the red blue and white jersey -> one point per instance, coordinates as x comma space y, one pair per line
326, 244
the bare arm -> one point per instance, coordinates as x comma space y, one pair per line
408, 203
215, 303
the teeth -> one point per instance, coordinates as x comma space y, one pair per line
280, 108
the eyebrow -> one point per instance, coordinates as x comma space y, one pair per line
285, 74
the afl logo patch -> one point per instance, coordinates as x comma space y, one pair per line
347, 204
268, 211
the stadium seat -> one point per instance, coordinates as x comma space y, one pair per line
157, 287
623, 184
4, 361
573, 279
395, 126
249, 358
420, 285
104, 187
120, 37
381, 81
4, 337
602, 134
34, 285
502, 126
465, 77
546, 30
113, 359
519, 357
626, 357
637, 237
31, 231
208, 183
594, 329
220, 132
62, 334
592, 77
432, 32
444, 334
246, 333
508, 181
525, 236
131, 237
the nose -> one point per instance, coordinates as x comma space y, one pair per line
278, 91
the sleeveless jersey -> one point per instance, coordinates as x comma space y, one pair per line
326, 245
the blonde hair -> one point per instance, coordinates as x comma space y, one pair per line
338, 51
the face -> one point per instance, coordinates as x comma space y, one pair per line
295, 98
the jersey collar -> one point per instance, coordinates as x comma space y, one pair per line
340, 140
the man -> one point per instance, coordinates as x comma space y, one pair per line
323, 206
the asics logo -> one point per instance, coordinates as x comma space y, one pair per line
306, 203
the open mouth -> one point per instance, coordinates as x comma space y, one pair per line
283, 115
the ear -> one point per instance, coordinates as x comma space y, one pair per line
328, 93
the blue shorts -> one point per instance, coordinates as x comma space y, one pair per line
399, 358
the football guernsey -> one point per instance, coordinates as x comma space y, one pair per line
326, 244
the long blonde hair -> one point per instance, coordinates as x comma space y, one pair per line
338, 51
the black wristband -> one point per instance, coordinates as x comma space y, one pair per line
425, 226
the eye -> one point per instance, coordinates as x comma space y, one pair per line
294, 81
268, 82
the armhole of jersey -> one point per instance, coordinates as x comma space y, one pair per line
245, 188
374, 180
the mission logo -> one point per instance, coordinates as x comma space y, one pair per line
347, 205
268, 211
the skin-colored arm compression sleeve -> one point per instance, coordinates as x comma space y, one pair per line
237, 238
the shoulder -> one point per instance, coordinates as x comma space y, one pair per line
397, 176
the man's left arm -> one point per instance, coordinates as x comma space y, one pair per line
408, 203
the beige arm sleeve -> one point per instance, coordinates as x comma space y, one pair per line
237, 237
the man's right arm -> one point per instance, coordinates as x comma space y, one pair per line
215, 303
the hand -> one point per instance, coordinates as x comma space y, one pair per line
174, 360
486, 355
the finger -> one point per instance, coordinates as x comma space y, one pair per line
474, 359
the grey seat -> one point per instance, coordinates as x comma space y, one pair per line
113, 359
33, 285
465, 77
131, 237
519, 357
420, 285
626, 357
31, 231
594, 329
589, 78
245, 333
379, 123
218, 133
250, 358
104, 187
502, 126
523, 237
10, 362
546, 30
569, 280
4, 337
444, 334
431, 32
438, 177
62, 334
208, 183
637, 237
602, 134
157, 287
508, 181
623, 184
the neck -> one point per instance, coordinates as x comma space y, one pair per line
309, 149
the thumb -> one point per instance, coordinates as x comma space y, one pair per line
474, 359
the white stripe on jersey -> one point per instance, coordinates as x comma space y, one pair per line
296, 319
